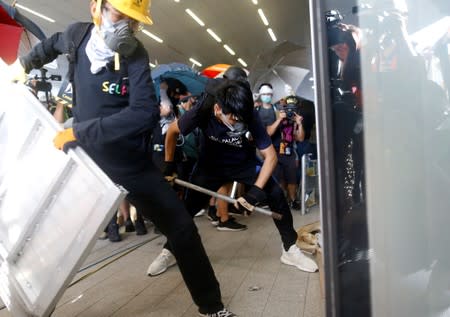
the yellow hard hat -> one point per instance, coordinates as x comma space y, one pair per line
135, 9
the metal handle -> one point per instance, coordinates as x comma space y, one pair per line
228, 199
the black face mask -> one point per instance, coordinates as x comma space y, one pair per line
240, 129
236, 130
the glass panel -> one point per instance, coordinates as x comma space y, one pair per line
346, 106
405, 72
388, 91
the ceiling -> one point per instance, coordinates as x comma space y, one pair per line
236, 22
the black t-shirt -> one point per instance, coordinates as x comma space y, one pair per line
219, 147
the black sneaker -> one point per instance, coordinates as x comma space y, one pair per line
213, 217
231, 225
129, 227
294, 204
139, 224
113, 232
234, 211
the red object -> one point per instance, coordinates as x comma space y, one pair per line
10, 33
214, 70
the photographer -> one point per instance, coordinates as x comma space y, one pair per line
284, 126
42, 84
344, 41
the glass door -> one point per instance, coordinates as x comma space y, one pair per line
382, 74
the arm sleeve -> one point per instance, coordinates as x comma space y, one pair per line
198, 116
141, 116
44, 52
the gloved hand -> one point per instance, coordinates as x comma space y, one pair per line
65, 140
169, 172
16, 72
247, 202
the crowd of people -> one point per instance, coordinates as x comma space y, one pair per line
212, 140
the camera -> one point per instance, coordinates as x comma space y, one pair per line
41, 82
291, 107
290, 110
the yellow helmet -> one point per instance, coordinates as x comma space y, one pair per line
135, 9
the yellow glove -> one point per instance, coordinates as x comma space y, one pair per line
16, 72
65, 139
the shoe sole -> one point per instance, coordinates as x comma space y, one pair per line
161, 272
230, 229
287, 262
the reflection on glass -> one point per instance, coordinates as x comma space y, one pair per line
344, 43
389, 72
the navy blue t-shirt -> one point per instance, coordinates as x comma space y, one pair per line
219, 147
114, 111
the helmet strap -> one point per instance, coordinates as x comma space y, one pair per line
98, 13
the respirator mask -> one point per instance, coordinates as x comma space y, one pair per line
118, 36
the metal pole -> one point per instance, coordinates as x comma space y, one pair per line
224, 197
234, 189
303, 196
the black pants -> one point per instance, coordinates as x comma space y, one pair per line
150, 193
214, 178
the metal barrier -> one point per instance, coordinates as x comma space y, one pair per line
309, 186
52, 206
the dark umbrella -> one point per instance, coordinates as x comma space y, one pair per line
18, 34
194, 81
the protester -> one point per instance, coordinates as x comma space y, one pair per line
115, 110
232, 131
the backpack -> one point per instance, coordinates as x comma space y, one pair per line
73, 37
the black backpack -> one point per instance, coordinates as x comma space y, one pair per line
73, 36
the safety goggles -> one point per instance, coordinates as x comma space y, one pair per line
116, 16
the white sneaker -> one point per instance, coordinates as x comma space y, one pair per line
223, 313
294, 256
162, 262
200, 213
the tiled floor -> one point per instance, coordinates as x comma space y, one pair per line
242, 261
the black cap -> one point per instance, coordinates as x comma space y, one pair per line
292, 100
235, 73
